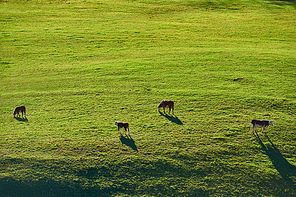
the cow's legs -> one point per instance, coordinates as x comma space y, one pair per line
253, 128
263, 129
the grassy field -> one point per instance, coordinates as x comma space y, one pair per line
80, 65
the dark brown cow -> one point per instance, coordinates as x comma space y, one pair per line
121, 125
261, 124
19, 109
166, 103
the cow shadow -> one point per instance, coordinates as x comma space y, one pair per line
128, 140
22, 119
284, 168
173, 118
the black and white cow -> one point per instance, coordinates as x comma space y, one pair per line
261, 124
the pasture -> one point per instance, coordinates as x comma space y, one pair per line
80, 65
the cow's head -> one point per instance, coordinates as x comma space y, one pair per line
271, 122
158, 107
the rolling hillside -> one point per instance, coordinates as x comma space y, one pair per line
80, 65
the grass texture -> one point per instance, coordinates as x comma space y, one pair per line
78, 66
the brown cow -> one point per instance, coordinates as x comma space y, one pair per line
166, 103
121, 125
19, 109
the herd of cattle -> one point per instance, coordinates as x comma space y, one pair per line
163, 104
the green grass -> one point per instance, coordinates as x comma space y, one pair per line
80, 65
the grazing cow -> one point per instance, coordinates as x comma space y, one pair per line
261, 124
19, 109
121, 125
166, 103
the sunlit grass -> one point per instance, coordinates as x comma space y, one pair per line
80, 65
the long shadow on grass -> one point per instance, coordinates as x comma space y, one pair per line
106, 177
172, 118
47, 187
22, 119
286, 170
128, 140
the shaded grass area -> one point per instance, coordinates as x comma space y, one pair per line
80, 65
153, 176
